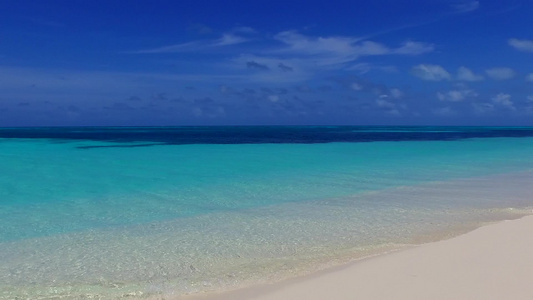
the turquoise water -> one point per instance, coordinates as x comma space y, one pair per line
113, 221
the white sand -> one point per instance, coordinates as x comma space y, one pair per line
492, 262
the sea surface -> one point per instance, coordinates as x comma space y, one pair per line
160, 212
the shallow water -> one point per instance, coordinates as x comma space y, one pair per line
102, 219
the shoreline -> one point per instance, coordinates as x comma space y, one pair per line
493, 261
436, 223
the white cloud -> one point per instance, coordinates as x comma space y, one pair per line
503, 100
298, 55
356, 86
396, 93
431, 72
456, 95
444, 111
394, 112
483, 108
370, 48
390, 107
530, 98
521, 45
466, 74
414, 48
529, 77
381, 102
466, 6
184, 47
273, 98
364, 68
297, 42
339, 50
209, 112
226, 40
500, 73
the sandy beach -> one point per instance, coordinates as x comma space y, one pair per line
491, 262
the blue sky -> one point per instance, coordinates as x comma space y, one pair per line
381, 62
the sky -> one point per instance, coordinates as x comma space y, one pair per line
166, 62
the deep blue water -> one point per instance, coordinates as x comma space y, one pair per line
146, 136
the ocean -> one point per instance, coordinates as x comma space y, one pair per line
140, 212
